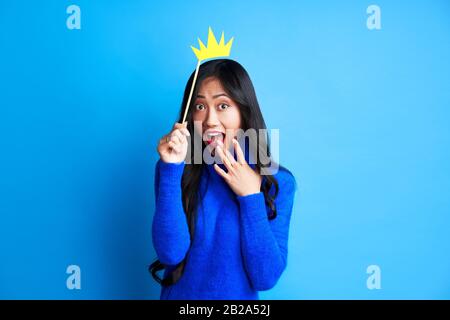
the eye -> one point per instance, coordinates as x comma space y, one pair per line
199, 107
223, 106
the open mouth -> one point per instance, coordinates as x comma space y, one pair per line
212, 137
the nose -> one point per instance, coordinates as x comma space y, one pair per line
212, 119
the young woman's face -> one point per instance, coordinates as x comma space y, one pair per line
219, 114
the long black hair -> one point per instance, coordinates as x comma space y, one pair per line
237, 84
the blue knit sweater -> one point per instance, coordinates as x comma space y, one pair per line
236, 251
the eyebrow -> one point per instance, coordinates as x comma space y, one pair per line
214, 97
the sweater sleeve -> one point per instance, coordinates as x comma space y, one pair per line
170, 231
264, 242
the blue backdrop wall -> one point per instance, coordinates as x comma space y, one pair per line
364, 126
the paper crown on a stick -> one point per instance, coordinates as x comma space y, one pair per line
213, 49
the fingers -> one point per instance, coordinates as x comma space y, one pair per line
239, 152
182, 127
220, 153
177, 136
227, 153
221, 172
176, 140
225, 159
163, 139
230, 157
174, 146
170, 137
185, 132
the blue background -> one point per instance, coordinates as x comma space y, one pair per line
364, 126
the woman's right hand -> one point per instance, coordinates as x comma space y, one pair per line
172, 147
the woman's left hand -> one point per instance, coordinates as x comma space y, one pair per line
241, 178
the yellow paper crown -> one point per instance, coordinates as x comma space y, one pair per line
213, 49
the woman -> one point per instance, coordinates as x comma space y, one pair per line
220, 230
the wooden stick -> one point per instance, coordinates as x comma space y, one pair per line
192, 90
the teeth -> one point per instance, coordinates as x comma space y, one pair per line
213, 134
